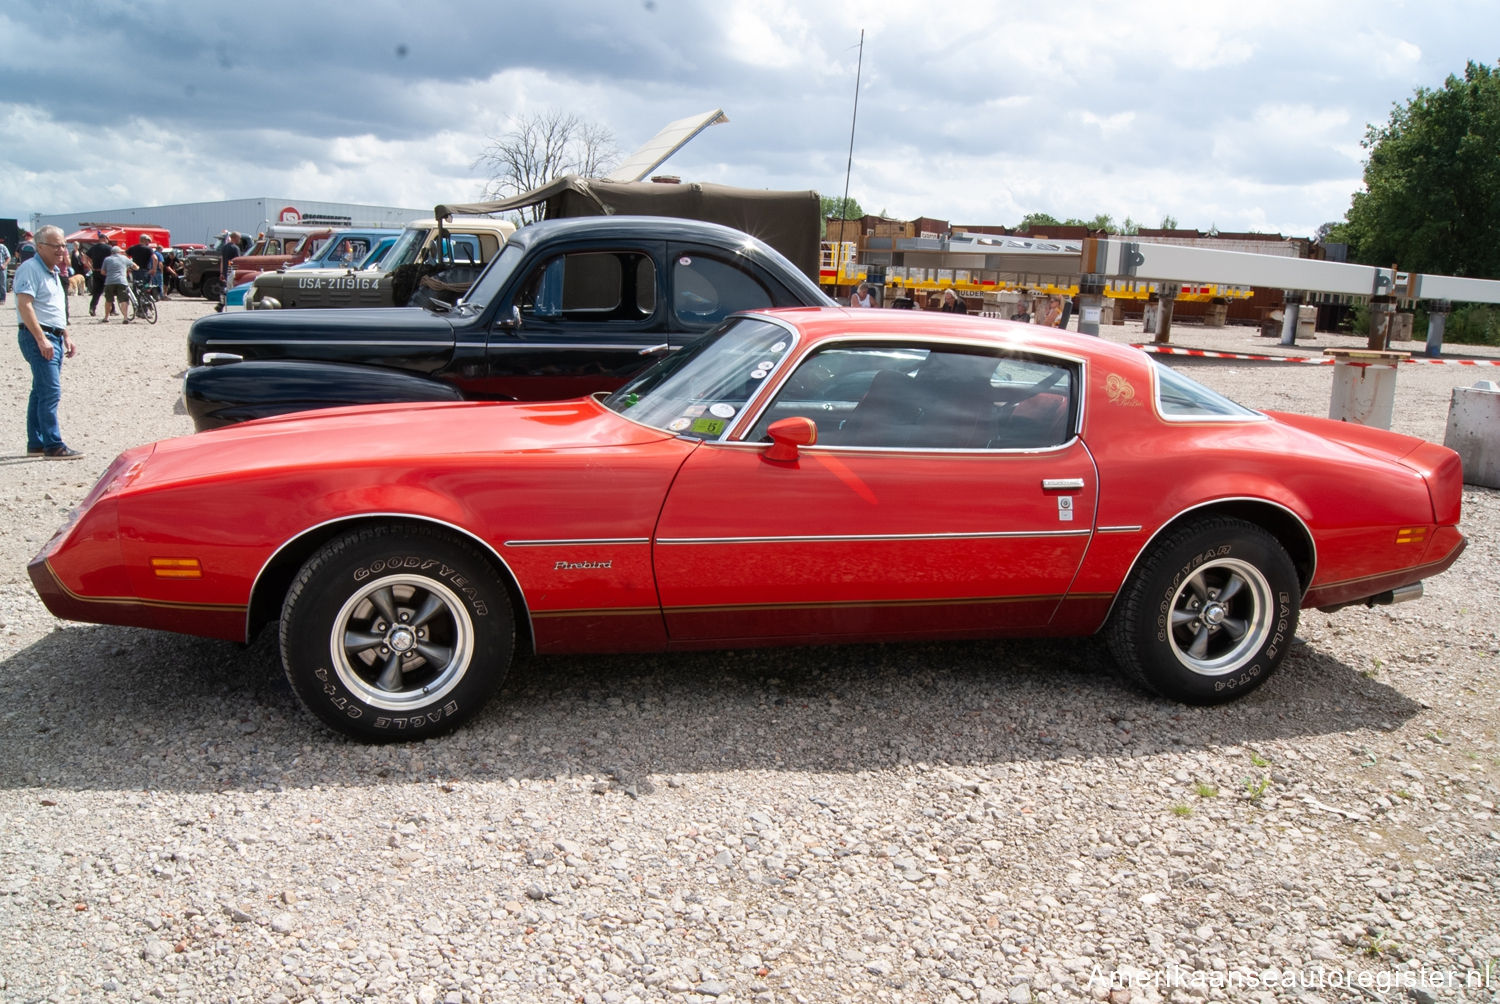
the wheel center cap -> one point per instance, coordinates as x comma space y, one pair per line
1213, 614
402, 639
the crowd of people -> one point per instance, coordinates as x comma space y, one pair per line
86, 269
1052, 311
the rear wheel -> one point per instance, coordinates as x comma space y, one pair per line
1209, 613
394, 634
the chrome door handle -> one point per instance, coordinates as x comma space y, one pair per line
1060, 484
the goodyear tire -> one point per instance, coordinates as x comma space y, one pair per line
396, 634
1209, 613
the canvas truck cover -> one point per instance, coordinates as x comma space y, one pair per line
788, 221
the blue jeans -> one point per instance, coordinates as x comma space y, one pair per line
42, 429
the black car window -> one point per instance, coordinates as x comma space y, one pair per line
591, 286
889, 397
705, 290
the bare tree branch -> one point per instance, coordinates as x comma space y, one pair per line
541, 147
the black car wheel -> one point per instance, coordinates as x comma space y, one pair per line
1209, 613
212, 287
396, 634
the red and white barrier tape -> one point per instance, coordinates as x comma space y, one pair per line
1173, 350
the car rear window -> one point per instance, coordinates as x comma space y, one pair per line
1181, 397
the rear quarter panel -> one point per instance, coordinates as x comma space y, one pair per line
1367, 515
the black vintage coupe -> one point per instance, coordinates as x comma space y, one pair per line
568, 307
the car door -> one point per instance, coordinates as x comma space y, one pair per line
588, 316
930, 506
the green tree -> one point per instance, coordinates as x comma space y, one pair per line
840, 208
1431, 201
1168, 222
1033, 220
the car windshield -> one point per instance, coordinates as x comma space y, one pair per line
493, 279
698, 392
1178, 396
404, 251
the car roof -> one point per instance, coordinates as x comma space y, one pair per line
820, 323
641, 227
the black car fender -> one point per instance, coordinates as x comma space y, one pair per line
231, 392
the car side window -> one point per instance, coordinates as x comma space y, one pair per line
705, 290
591, 286
887, 397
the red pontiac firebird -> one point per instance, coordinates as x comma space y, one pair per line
795, 476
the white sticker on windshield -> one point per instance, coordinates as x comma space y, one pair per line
684, 261
758, 374
721, 410
778, 347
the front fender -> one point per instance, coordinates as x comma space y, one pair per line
240, 391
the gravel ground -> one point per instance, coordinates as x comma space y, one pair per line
964, 822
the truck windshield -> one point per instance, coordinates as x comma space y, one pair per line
404, 251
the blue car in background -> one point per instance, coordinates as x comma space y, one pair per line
349, 248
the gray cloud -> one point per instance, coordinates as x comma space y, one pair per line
1241, 117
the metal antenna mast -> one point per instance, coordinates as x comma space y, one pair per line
848, 168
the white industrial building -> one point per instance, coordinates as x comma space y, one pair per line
201, 222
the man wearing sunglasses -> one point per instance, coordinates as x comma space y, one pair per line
42, 306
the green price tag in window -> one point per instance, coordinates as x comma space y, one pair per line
708, 426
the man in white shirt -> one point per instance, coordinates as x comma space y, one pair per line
42, 307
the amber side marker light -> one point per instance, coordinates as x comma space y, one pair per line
1411, 535
177, 568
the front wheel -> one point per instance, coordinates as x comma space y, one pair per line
212, 287
1209, 613
146, 309
394, 634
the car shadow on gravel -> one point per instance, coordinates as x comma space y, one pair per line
105, 708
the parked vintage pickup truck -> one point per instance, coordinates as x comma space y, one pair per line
420, 252
568, 307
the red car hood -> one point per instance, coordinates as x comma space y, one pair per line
371, 433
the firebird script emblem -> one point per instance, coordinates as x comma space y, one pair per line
572, 565
1119, 391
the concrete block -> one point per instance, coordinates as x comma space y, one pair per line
1474, 432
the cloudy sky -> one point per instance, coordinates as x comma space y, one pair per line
1244, 116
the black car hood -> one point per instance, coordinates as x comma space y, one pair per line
325, 334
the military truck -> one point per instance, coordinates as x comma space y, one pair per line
424, 264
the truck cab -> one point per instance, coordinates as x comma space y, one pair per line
423, 264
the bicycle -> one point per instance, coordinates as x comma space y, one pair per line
142, 300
